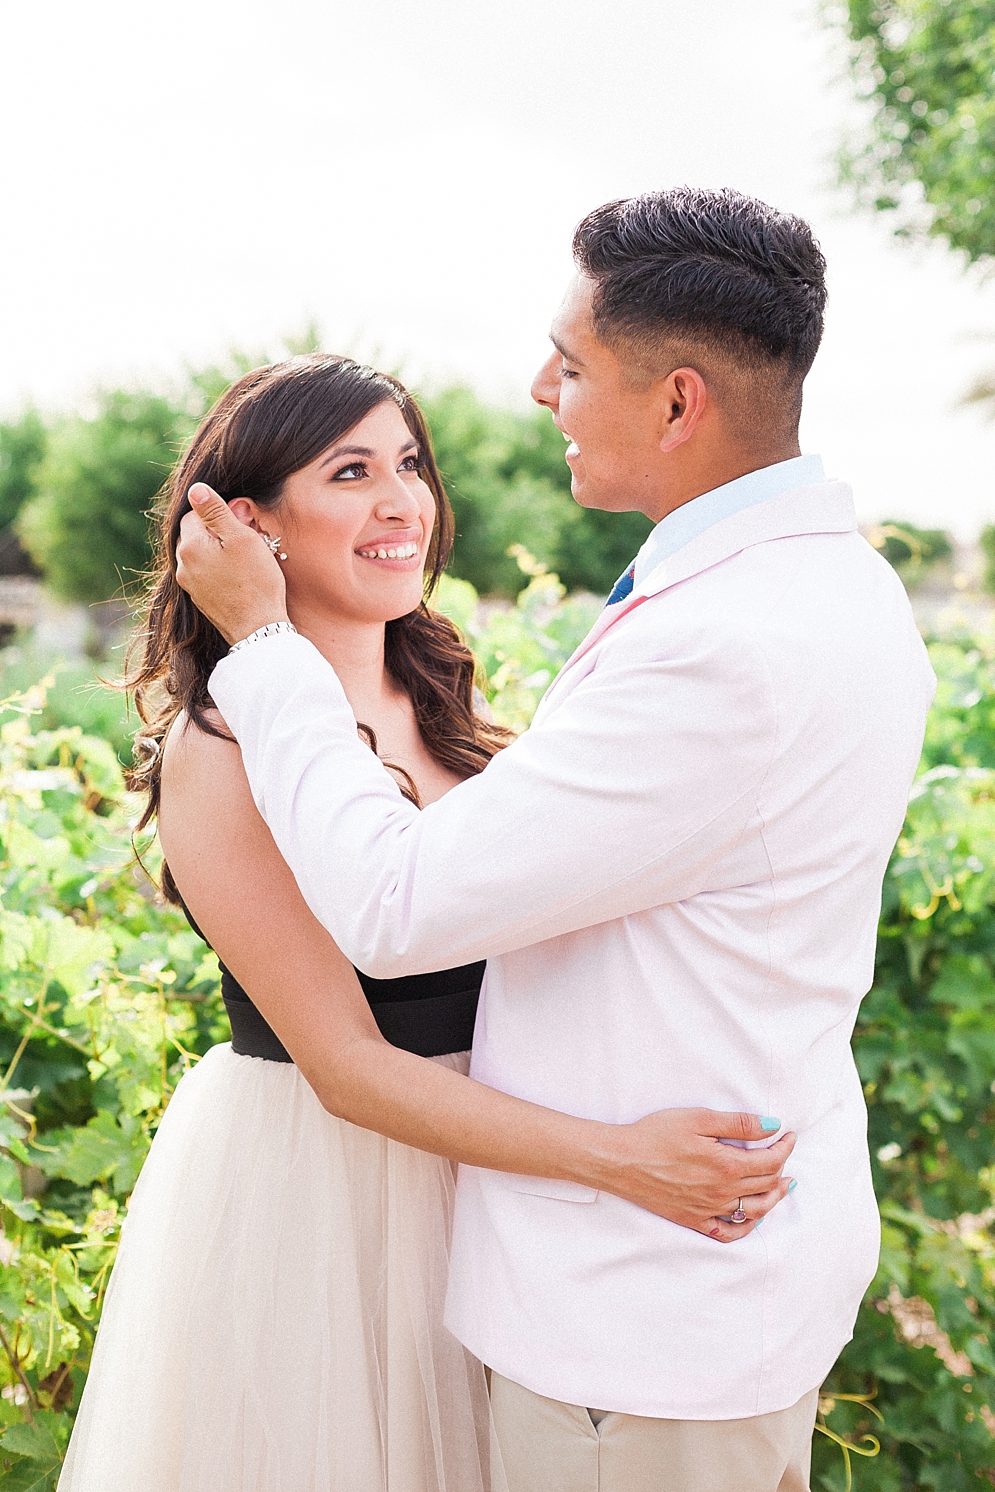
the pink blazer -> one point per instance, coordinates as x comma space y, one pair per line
675, 876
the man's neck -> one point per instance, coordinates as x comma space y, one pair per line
697, 474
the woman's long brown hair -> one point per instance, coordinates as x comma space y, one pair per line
268, 425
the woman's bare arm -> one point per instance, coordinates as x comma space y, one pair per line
242, 894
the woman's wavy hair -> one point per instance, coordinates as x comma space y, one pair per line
271, 423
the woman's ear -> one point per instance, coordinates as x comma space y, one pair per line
245, 511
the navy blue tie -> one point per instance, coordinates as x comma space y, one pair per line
622, 586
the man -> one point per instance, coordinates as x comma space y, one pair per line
674, 874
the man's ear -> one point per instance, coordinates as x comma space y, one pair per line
245, 511
682, 399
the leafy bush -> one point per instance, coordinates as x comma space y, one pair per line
75, 694
986, 540
87, 527
520, 649
912, 551
84, 486
22, 446
925, 1049
105, 998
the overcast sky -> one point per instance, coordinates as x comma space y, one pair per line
182, 177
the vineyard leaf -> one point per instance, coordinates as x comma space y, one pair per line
31, 1476
105, 1148
34, 1440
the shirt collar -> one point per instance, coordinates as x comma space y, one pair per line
687, 522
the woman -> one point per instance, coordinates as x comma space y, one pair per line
274, 1322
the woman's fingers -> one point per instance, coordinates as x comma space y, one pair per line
760, 1203
724, 1230
675, 1170
761, 1160
755, 1170
738, 1127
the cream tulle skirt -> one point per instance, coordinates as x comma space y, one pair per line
274, 1319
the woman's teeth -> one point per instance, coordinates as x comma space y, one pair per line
402, 551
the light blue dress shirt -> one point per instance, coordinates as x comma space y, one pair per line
687, 522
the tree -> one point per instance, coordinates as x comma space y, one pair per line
86, 523
927, 66
22, 446
88, 483
88, 526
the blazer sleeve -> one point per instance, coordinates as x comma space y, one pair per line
627, 795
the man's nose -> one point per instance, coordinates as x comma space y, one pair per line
546, 385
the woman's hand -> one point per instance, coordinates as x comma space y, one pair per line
674, 1163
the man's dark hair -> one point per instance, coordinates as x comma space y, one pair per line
705, 268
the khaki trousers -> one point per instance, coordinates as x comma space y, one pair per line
547, 1446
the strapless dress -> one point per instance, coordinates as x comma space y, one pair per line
274, 1319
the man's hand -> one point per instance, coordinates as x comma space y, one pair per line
227, 569
674, 1163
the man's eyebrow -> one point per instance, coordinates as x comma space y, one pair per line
563, 351
365, 451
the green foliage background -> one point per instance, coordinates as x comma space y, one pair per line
926, 66
22, 446
80, 488
106, 997
925, 1048
86, 527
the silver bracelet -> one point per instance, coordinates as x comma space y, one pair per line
271, 629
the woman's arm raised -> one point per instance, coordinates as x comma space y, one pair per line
242, 894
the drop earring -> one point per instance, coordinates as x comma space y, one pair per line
274, 546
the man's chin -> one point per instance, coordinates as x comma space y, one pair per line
586, 494
579, 488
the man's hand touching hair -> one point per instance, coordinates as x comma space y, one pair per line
227, 568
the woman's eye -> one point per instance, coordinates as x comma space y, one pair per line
350, 473
411, 463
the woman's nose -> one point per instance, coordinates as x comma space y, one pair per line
401, 501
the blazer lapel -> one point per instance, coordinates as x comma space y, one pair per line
823, 509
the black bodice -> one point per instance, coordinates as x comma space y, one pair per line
428, 1014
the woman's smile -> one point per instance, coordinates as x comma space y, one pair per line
394, 551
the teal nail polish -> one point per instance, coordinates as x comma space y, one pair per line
792, 1185
769, 1125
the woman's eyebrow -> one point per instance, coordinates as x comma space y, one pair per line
365, 451
349, 451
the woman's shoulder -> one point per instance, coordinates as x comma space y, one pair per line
206, 805
199, 748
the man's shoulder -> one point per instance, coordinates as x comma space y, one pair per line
752, 579
799, 593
